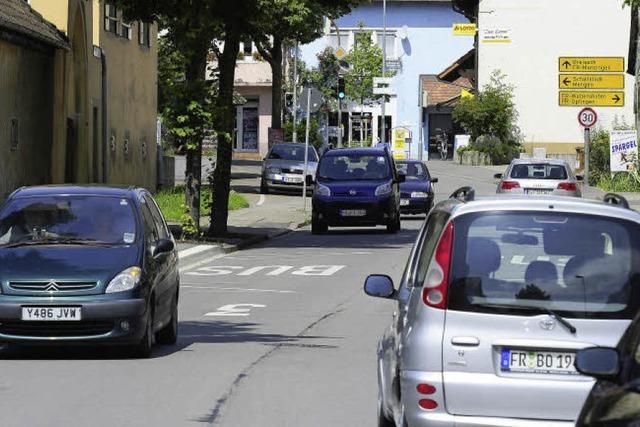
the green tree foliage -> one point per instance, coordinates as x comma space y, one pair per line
632, 3
365, 63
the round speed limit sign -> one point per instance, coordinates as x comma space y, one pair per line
587, 117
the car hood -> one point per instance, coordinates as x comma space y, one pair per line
360, 188
410, 186
66, 262
290, 164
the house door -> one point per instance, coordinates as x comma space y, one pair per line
247, 126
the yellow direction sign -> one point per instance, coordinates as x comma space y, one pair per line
340, 52
591, 98
591, 64
591, 81
464, 29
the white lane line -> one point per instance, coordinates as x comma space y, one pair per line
215, 288
261, 200
194, 250
201, 262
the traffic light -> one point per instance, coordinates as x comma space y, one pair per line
288, 101
341, 92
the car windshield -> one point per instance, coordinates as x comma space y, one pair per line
538, 171
580, 266
413, 171
354, 167
292, 152
107, 220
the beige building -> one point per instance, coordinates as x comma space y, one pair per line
102, 99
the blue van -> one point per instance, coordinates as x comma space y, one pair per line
356, 187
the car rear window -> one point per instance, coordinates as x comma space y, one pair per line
538, 171
580, 266
292, 152
102, 219
413, 171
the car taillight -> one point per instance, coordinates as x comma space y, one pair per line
509, 185
428, 404
434, 293
425, 389
567, 186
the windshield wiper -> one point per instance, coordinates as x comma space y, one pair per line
56, 241
564, 322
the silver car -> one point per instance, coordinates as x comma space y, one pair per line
283, 167
539, 177
498, 295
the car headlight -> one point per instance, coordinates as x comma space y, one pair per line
419, 195
274, 170
125, 280
383, 189
322, 190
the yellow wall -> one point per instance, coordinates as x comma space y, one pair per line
553, 147
54, 11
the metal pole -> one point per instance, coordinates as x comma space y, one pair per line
339, 121
306, 151
295, 94
383, 136
587, 143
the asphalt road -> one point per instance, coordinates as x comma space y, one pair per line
277, 335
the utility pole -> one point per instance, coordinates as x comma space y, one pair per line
383, 133
295, 93
306, 151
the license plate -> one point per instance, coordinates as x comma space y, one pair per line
353, 212
537, 362
404, 202
292, 179
537, 192
55, 314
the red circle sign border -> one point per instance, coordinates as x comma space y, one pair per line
595, 115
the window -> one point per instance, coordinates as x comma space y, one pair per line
390, 43
246, 47
343, 40
354, 167
110, 18
161, 226
125, 30
144, 34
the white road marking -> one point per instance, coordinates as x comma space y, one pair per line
517, 260
201, 262
307, 270
543, 258
261, 200
235, 310
194, 250
277, 270
216, 288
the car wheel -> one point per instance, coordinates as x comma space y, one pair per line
383, 421
144, 348
394, 225
169, 334
264, 189
318, 226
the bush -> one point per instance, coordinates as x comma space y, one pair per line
500, 152
315, 138
599, 152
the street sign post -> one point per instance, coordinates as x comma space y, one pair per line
591, 81
587, 117
591, 64
591, 98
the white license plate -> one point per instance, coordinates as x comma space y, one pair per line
404, 202
537, 362
353, 212
536, 192
292, 179
51, 314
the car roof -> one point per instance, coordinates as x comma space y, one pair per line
291, 144
359, 151
74, 189
538, 161
527, 203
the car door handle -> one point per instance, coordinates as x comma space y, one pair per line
465, 341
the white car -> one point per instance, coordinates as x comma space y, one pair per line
539, 177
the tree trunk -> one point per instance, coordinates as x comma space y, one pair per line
276, 86
224, 128
195, 75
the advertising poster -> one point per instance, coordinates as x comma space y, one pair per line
623, 150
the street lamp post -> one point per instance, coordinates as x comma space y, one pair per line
383, 136
295, 94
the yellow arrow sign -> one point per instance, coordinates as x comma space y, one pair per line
591, 64
464, 29
591, 98
591, 81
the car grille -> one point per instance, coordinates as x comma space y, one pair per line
52, 286
56, 329
290, 170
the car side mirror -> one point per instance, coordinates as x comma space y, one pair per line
401, 178
498, 176
309, 179
598, 362
163, 246
380, 286
580, 177
434, 180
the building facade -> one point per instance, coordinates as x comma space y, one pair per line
419, 41
525, 41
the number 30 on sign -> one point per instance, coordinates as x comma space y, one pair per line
587, 117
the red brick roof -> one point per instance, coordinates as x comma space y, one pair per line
440, 92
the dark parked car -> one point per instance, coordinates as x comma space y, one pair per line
614, 400
417, 191
87, 264
356, 187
